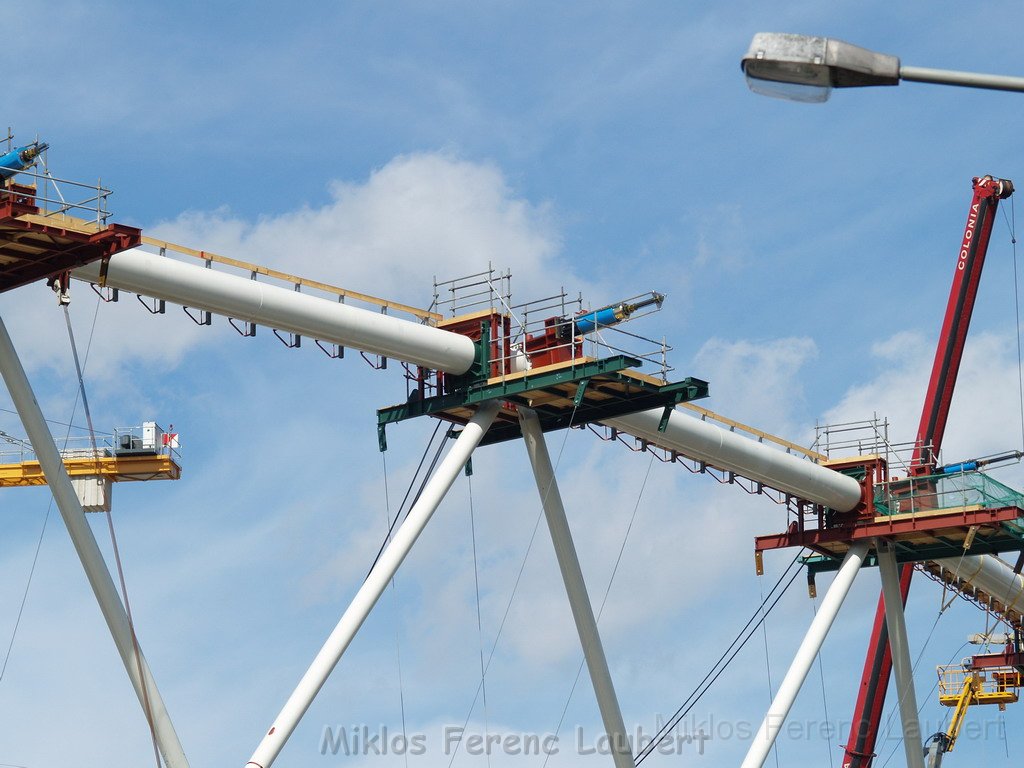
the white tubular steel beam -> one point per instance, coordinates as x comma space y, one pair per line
146, 274
991, 575
726, 450
373, 587
579, 600
794, 680
88, 551
902, 666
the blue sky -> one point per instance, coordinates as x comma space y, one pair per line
611, 148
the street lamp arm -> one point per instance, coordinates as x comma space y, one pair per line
804, 68
965, 79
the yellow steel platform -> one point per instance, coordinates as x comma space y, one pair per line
116, 468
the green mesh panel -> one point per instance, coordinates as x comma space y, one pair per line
933, 492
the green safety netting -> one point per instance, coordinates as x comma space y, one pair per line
931, 492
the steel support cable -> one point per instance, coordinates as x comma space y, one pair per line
479, 620
67, 424
921, 707
893, 709
394, 595
412, 482
515, 585
824, 697
1012, 224
147, 707
49, 509
768, 663
716, 670
604, 601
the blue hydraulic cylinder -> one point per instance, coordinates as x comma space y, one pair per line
599, 318
19, 159
590, 321
955, 469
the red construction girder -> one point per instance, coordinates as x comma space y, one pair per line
33, 247
966, 276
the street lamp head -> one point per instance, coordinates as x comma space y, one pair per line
802, 68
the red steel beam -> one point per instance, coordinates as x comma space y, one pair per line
970, 260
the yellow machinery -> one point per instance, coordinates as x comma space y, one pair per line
962, 686
139, 453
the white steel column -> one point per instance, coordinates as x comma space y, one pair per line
901, 664
372, 588
805, 655
88, 551
579, 600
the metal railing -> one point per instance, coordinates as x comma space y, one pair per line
490, 291
56, 197
996, 685
945, 491
863, 438
14, 450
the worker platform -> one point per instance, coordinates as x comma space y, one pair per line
960, 684
569, 393
567, 363
927, 518
38, 243
134, 454
99, 464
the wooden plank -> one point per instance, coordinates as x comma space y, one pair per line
483, 313
285, 277
537, 371
818, 457
928, 513
64, 221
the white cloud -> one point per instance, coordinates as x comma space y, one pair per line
757, 382
721, 238
419, 216
984, 416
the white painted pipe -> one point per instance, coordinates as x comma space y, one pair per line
88, 551
373, 587
726, 450
903, 668
805, 655
990, 574
146, 274
576, 588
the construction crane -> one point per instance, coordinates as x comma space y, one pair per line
141, 453
463, 369
988, 191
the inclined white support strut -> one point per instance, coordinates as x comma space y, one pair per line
903, 668
576, 588
373, 587
805, 655
88, 551
233, 296
726, 450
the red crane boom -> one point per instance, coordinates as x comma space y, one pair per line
874, 683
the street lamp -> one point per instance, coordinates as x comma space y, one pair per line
802, 68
